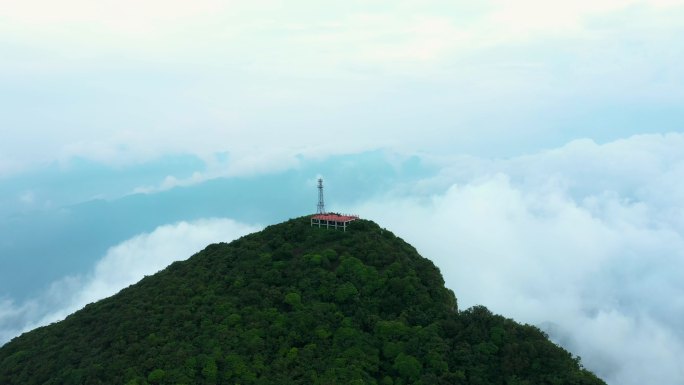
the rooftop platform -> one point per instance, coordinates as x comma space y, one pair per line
332, 220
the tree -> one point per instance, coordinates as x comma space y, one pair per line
210, 371
346, 292
294, 300
407, 366
156, 376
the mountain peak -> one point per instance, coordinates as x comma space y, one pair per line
292, 304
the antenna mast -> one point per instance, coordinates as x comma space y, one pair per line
321, 204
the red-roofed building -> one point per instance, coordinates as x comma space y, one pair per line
331, 220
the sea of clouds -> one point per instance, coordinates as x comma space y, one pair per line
585, 241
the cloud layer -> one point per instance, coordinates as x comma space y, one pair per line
125, 82
123, 265
586, 241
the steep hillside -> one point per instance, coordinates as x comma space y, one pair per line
290, 305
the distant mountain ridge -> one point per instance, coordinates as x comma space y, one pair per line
290, 304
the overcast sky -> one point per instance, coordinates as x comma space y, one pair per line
537, 147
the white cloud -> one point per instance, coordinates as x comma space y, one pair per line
585, 240
123, 265
247, 164
123, 81
124, 18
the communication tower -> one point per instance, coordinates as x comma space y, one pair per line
321, 204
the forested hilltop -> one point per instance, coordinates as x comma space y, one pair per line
290, 305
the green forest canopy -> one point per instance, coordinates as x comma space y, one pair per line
291, 305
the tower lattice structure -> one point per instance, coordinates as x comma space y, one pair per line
321, 203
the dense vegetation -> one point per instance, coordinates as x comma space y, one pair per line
290, 305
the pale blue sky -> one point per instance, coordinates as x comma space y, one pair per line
544, 138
